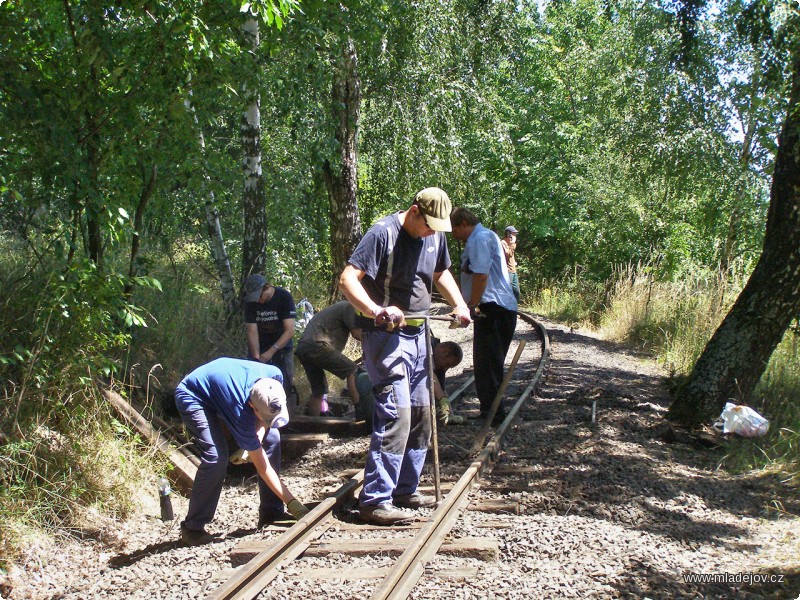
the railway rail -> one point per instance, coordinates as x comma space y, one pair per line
254, 577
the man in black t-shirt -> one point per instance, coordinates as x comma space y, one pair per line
269, 315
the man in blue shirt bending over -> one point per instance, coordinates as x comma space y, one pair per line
247, 397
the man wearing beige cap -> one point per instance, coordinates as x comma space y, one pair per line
249, 399
392, 272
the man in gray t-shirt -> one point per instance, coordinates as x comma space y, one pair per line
392, 272
320, 349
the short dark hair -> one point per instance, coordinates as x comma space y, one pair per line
453, 349
463, 215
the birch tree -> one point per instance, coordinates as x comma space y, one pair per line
254, 212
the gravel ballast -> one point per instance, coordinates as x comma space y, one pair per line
607, 509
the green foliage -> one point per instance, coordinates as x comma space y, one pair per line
63, 324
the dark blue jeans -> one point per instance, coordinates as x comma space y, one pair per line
284, 360
206, 427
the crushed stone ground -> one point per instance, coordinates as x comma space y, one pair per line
608, 509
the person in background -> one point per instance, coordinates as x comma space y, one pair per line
269, 316
509, 243
446, 355
486, 286
249, 399
320, 349
392, 271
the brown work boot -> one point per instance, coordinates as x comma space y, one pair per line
415, 500
384, 513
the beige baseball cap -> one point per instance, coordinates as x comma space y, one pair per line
269, 399
435, 206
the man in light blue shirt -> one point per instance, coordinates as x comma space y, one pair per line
486, 288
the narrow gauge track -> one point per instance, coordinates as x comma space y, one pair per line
256, 575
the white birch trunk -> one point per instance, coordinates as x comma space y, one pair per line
218, 251
254, 238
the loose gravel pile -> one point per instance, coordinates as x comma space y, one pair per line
607, 509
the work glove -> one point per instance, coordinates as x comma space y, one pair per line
240, 457
443, 410
297, 508
391, 316
461, 318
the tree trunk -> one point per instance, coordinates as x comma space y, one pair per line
90, 195
254, 238
148, 187
214, 228
745, 156
94, 211
343, 185
737, 354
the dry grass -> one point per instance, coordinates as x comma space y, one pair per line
671, 319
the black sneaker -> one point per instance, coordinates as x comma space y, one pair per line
268, 518
499, 417
195, 537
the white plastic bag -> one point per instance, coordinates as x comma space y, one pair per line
305, 312
742, 420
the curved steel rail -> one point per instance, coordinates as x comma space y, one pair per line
411, 564
251, 579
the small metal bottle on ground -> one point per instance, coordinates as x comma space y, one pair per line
164, 491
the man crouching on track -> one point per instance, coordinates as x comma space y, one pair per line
248, 397
393, 270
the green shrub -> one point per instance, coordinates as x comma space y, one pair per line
61, 330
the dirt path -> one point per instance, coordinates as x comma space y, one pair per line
607, 509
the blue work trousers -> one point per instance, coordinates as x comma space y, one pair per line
206, 427
397, 364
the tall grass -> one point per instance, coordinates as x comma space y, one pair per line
569, 299
673, 320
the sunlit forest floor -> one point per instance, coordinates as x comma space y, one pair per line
671, 322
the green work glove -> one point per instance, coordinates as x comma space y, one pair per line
297, 509
443, 410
